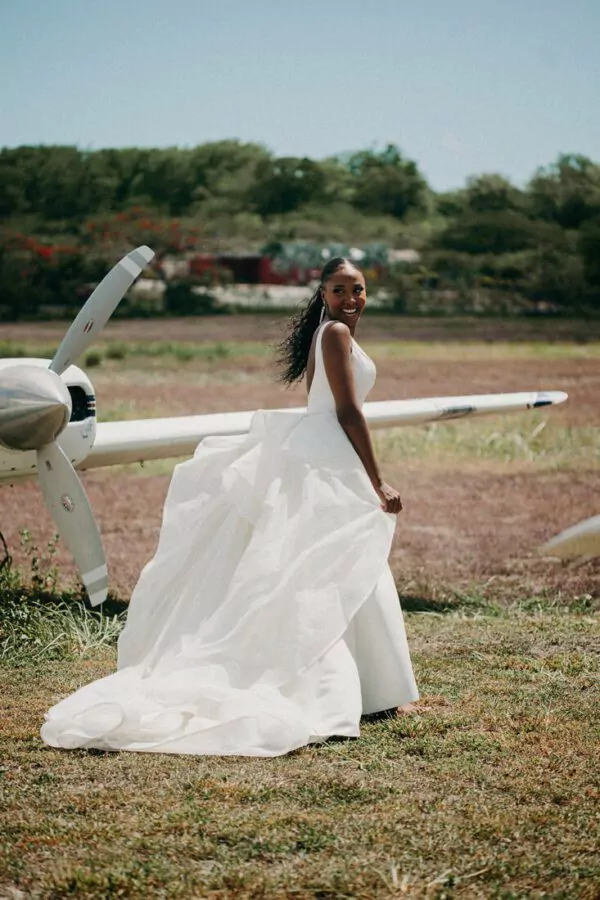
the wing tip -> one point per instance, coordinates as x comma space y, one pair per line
549, 398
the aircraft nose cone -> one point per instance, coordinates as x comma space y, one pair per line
35, 406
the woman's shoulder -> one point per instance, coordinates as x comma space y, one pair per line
336, 332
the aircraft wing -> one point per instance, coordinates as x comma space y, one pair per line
581, 540
146, 439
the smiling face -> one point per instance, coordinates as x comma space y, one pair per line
344, 295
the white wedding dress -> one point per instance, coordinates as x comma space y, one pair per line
268, 618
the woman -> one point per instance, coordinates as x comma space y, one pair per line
268, 618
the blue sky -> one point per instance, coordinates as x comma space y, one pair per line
462, 86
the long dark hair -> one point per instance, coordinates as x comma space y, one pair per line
292, 351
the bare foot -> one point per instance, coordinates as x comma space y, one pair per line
410, 708
423, 704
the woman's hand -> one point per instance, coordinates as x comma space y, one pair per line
390, 498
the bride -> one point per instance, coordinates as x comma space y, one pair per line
268, 617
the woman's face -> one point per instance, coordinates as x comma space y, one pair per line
344, 295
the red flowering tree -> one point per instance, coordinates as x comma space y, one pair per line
118, 233
35, 274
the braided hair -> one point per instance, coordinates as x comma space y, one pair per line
292, 351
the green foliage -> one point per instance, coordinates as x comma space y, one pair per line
116, 350
34, 274
39, 620
386, 183
92, 359
496, 232
492, 194
185, 297
589, 248
502, 249
284, 185
488, 248
566, 192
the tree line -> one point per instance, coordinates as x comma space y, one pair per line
490, 246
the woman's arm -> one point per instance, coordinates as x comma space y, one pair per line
337, 358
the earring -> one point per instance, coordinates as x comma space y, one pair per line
322, 314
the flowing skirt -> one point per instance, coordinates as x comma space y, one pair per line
268, 617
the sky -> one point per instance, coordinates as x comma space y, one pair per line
461, 86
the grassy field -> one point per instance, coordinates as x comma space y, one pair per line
489, 790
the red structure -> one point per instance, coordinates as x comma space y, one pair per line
251, 269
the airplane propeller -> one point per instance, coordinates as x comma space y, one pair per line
35, 407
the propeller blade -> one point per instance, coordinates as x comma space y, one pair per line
99, 307
70, 508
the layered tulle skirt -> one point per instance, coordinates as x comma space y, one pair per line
268, 617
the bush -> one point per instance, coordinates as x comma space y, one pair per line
185, 297
35, 274
38, 620
116, 351
93, 359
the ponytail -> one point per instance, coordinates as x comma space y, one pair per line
292, 351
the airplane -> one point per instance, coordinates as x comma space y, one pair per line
49, 426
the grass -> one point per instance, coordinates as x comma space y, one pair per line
40, 620
490, 791
215, 351
180, 351
476, 351
532, 439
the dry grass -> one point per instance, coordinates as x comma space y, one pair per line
267, 326
491, 790
480, 495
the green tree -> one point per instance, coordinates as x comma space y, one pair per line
487, 232
589, 248
168, 181
225, 172
285, 184
493, 193
566, 192
386, 182
117, 177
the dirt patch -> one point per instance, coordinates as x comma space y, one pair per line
268, 326
458, 529
474, 531
466, 526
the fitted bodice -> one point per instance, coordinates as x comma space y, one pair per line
320, 396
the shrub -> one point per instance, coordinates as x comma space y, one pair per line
185, 298
93, 359
116, 351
